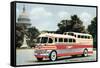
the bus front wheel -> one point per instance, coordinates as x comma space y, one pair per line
53, 56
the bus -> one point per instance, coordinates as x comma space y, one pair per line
53, 46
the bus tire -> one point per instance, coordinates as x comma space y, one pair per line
53, 56
85, 53
39, 59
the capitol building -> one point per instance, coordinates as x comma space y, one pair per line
23, 19
23, 22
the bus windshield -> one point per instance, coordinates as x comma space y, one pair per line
44, 39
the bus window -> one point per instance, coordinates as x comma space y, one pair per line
65, 40
60, 39
85, 36
72, 34
70, 40
82, 36
44, 39
74, 40
79, 36
88, 37
55, 39
75, 35
50, 40
65, 33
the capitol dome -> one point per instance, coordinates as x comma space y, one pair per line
23, 18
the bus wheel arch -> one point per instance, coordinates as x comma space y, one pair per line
39, 59
53, 55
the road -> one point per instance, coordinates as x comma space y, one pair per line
26, 57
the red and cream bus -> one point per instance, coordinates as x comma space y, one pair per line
53, 46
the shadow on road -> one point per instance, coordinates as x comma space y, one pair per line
67, 58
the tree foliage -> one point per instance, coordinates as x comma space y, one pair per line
19, 36
92, 29
33, 34
75, 25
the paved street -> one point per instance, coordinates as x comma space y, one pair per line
26, 57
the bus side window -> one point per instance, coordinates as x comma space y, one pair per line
70, 40
55, 39
74, 40
88, 37
75, 35
82, 36
50, 40
79, 36
60, 39
65, 40
71, 34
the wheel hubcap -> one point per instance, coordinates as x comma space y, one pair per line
85, 53
53, 56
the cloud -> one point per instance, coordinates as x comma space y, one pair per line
40, 12
86, 18
47, 25
17, 14
41, 18
63, 15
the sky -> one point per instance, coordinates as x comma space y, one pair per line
46, 17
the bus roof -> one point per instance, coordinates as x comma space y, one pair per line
78, 33
55, 35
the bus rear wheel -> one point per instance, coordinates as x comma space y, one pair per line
53, 56
85, 53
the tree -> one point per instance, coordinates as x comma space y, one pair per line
92, 29
19, 36
32, 34
75, 25
92, 26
